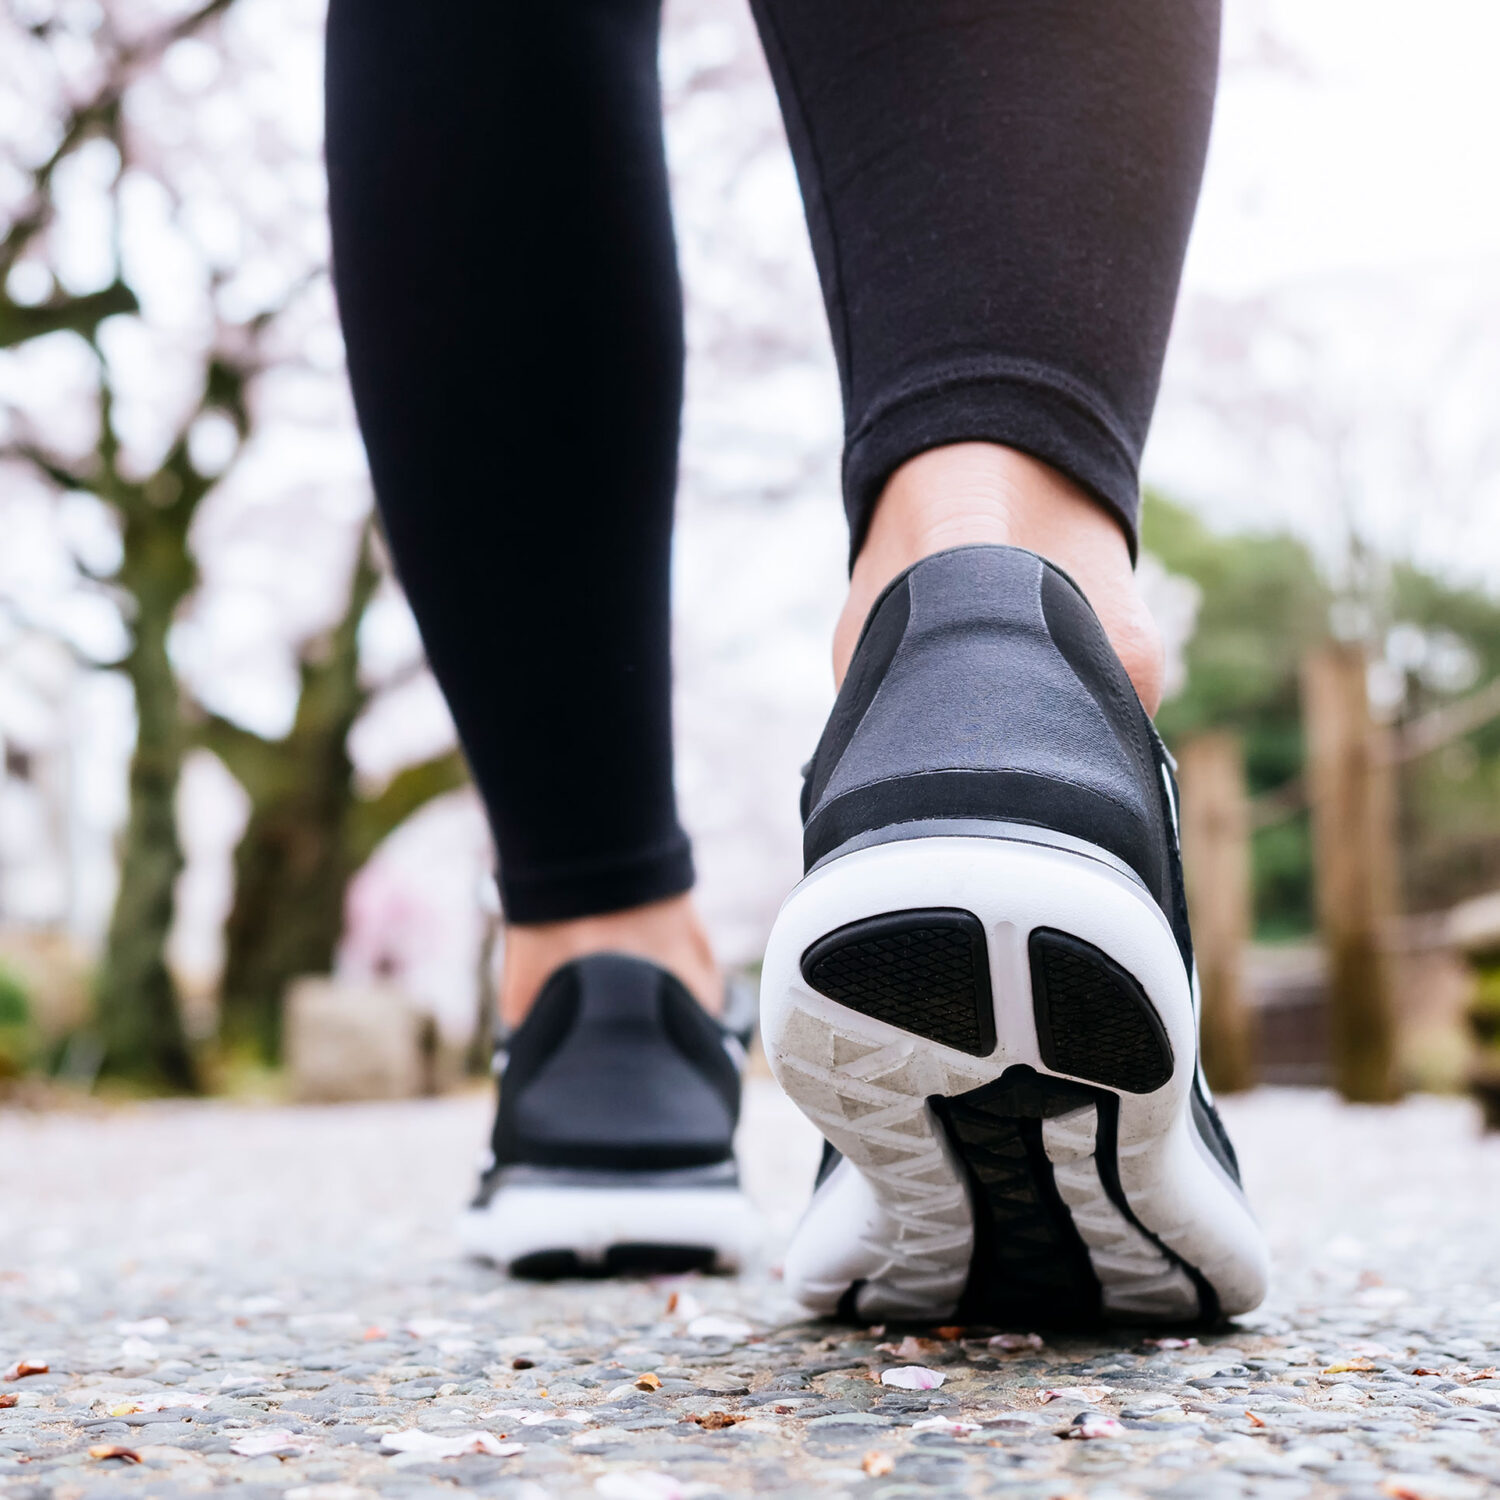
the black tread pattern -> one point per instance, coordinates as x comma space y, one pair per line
926, 971
1093, 1019
1030, 1265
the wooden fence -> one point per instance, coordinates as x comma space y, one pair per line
1349, 787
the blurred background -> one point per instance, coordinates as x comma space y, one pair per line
238, 851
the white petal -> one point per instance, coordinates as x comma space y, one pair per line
268, 1440
951, 1425
642, 1484
710, 1326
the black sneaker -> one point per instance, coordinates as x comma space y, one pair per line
983, 993
613, 1144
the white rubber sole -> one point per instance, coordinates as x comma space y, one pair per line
892, 1232
549, 1229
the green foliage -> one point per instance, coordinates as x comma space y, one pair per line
1263, 606
1450, 800
17, 1039
15, 1004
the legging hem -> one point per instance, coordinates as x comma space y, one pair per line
1027, 411
595, 887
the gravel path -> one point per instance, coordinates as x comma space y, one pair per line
266, 1302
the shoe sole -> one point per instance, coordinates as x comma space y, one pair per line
549, 1230
999, 1037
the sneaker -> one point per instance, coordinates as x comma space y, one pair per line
983, 992
612, 1152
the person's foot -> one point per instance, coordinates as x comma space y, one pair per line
612, 1149
982, 993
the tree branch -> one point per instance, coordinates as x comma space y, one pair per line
83, 118
372, 819
81, 315
50, 469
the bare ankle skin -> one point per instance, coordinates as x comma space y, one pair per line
982, 493
669, 933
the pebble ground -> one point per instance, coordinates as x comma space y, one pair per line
266, 1302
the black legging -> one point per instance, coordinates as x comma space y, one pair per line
999, 194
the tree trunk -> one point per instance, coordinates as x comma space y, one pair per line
1216, 852
309, 832
292, 865
1349, 779
138, 1011
290, 876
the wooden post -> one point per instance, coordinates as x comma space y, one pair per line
1216, 859
1351, 792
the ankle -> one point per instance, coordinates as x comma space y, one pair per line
669, 933
981, 493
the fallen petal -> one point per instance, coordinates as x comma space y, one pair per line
912, 1378
642, 1484
684, 1306
648, 1382
1095, 1426
1172, 1343
448, 1444
161, 1401
1011, 1343
875, 1464
1382, 1296
952, 1426
24, 1367
431, 1328
114, 1450
1431, 1487
146, 1328
711, 1326
1088, 1394
536, 1418
268, 1440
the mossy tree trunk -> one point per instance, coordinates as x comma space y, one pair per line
139, 1016
309, 831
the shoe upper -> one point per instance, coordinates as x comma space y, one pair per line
616, 1068
984, 689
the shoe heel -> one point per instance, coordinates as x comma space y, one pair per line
998, 1036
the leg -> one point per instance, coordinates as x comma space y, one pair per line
982, 991
508, 285
999, 193
507, 281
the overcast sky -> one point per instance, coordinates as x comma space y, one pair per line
1346, 266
